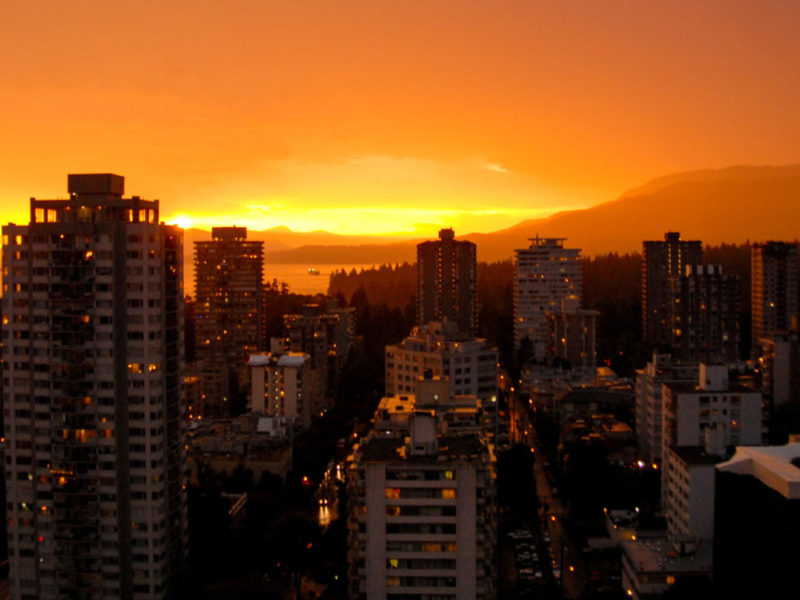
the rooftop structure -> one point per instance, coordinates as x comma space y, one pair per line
650, 567
325, 332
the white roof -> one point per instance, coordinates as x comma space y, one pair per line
292, 360
258, 360
772, 465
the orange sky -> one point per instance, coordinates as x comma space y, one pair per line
383, 116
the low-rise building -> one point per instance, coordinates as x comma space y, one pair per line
436, 350
650, 567
326, 333
649, 404
572, 335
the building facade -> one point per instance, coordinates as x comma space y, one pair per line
778, 367
705, 315
544, 275
470, 365
285, 385
572, 334
326, 333
713, 401
649, 403
228, 276
662, 262
93, 353
447, 288
774, 289
757, 518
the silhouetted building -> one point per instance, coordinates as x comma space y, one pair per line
775, 295
705, 315
326, 333
572, 336
757, 519
447, 282
544, 275
661, 263
95, 451
228, 273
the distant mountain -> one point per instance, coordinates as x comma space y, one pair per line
731, 205
727, 205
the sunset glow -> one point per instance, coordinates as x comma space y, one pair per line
389, 118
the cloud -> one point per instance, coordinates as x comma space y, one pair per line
495, 167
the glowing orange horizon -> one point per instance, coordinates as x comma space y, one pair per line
389, 118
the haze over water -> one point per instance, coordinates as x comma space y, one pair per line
301, 282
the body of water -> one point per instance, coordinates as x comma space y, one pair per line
300, 281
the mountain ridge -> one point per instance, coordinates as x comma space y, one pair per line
734, 204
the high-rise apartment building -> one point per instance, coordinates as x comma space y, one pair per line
447, 282
92, 352
228, 273
705, 315
544, 275
774, 289
757, 517
662, 262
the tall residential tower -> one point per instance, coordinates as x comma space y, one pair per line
92, 352
662, 263
447, 282
775, 289
228, 322
544, 275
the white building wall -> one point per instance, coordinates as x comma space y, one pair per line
701, 500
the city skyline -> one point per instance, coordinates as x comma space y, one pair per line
374, 118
